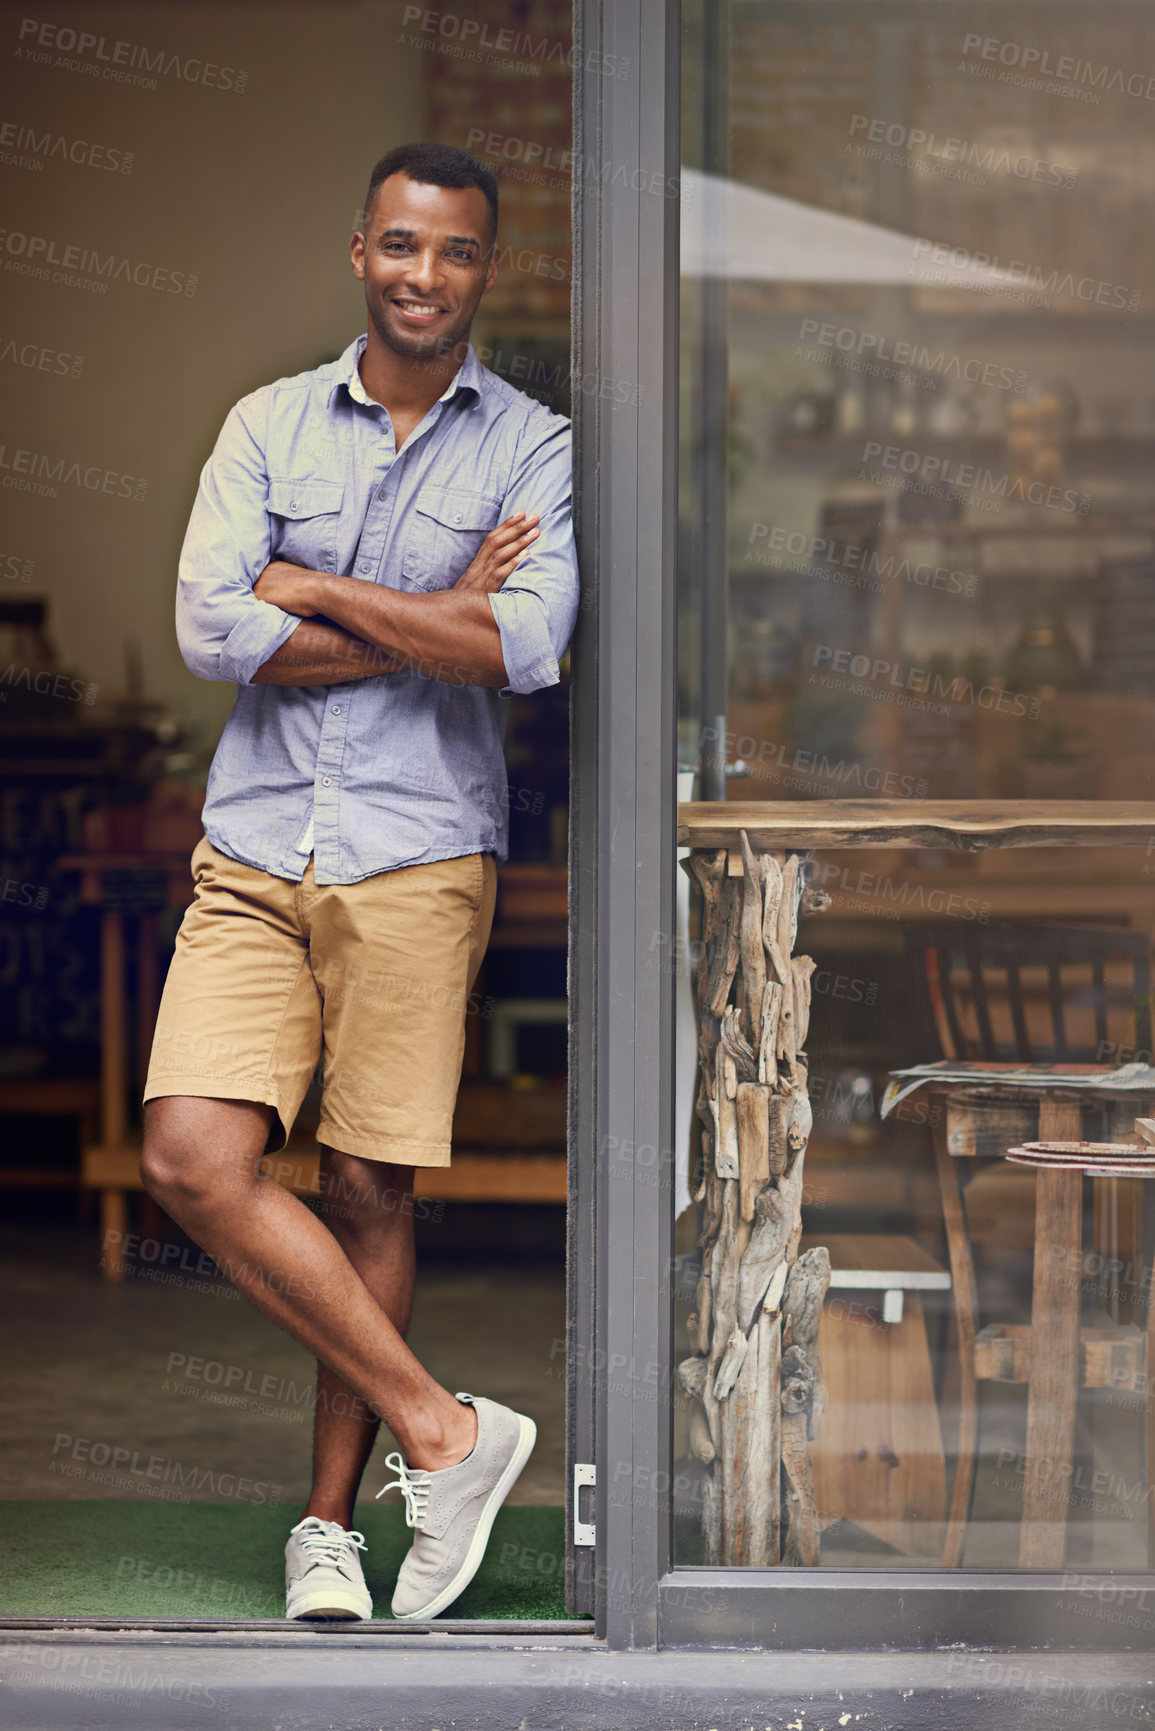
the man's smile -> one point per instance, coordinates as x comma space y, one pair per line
417, 312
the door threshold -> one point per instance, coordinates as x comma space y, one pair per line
375, 1629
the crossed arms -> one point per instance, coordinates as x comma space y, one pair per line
353, 630
244, 616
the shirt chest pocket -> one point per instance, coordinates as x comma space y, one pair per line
448, 526
303, 519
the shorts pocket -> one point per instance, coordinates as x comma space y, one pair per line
449, 525
304, 517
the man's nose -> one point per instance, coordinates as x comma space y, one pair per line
424, 273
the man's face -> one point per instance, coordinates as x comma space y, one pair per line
425, 258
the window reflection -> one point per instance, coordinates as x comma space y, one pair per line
917, 562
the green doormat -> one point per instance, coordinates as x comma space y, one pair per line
135, 1559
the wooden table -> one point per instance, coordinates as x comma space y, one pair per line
1054, 1376
754, 1376
165, 876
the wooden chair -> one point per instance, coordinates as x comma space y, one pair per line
966, 1011
1039, 995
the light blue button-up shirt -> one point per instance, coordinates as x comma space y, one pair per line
403, 768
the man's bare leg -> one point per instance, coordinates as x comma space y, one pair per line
368, 1207
201, 1162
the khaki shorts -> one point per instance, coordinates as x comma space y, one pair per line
373, 979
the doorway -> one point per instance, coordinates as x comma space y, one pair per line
158, 1429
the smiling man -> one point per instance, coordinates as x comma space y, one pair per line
379, 555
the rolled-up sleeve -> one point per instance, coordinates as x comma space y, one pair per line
536, 609
223, 630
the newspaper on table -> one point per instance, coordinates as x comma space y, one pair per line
1124, 1079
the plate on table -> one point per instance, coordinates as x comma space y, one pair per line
1116, 1152
1097, 1166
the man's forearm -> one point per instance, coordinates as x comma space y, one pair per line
320, 653
450, 635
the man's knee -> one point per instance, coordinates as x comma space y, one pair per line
182, 1164
175, 1171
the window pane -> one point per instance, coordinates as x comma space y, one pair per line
916, 562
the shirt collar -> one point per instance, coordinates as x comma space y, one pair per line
468, 377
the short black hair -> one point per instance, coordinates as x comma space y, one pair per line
435, 165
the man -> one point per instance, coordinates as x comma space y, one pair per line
379, 554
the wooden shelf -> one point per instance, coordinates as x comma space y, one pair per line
961, 825
489, 1177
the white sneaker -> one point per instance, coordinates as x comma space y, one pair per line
323, 1571
453, 1510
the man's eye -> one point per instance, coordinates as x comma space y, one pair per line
461, 256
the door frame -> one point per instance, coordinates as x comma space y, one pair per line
622, 858
620, 1385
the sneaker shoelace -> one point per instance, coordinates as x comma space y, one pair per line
413, 1483
328, 1541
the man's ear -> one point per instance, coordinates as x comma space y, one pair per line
357, 254
490, 270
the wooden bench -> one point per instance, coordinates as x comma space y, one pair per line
488, 1177
878, 1456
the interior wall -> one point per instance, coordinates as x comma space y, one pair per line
218, 155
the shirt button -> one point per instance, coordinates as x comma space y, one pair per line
364, 565
336, 709
292, 504
457, 516
325, 781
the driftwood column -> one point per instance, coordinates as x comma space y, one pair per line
755, 1378
754, 1374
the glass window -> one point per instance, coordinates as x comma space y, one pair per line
916, 563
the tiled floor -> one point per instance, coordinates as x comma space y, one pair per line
101, 1380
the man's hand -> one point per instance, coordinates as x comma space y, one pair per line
499, 554
448, 633
289, 587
